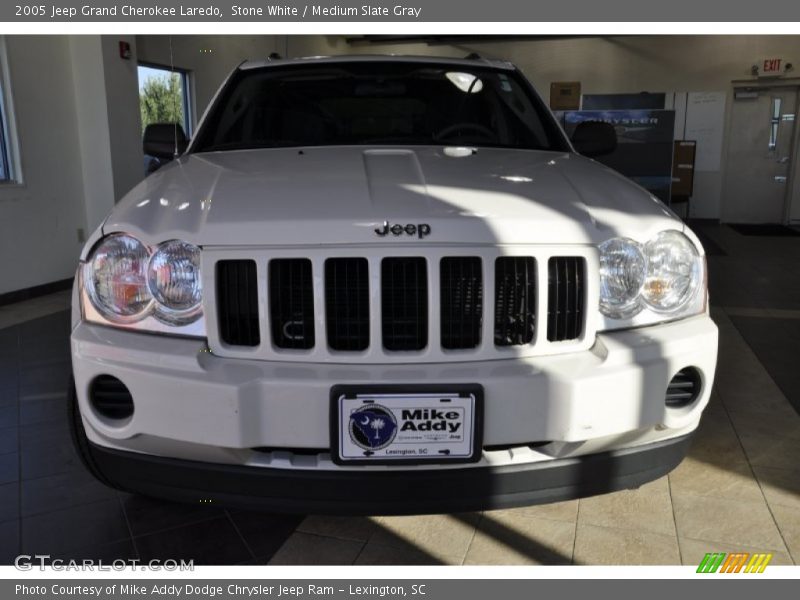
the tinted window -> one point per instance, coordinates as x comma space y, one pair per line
377, 103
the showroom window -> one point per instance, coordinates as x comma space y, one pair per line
9, 173
164, 96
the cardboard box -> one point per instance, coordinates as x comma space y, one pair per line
565, 95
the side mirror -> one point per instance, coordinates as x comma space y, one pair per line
594, 138
161, 140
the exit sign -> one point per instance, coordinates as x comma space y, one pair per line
771, 66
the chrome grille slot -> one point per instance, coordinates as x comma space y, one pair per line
347, 303
461, 301
291, 303
404, 303
237, 302
565, 298
514, 300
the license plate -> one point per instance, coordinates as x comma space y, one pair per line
406, 424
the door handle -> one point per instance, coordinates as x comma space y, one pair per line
783, 160
780, 178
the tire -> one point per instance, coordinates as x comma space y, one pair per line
79, 440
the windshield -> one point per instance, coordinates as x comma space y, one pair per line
377, 103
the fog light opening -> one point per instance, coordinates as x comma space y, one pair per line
110, 398
684, 388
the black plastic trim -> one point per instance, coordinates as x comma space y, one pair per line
363, 491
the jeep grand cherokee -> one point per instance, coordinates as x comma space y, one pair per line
387, 285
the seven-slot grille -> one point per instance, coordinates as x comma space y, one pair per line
349, 296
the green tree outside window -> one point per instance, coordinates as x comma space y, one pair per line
161, 100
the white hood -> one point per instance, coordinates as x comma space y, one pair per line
340, 195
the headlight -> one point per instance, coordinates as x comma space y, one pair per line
674, 272
155, 289
174, 281
644, 284
622, 273
117, 279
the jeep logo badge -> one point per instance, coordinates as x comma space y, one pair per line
422, 230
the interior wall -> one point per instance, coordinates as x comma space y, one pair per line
94, 148
40, 217
610, 65
121, 81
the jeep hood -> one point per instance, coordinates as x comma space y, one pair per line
340, 195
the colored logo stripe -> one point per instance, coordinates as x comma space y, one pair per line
734, 563
758, 563
711, 562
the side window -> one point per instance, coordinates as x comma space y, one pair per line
9, 168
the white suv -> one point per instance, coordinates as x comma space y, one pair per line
387, 285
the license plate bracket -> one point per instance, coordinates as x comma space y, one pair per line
406, 424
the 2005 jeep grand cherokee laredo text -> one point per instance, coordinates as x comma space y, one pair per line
387, 285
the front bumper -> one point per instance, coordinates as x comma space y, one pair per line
190, 404
390, 492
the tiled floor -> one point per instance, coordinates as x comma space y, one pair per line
13, 314
738, 490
